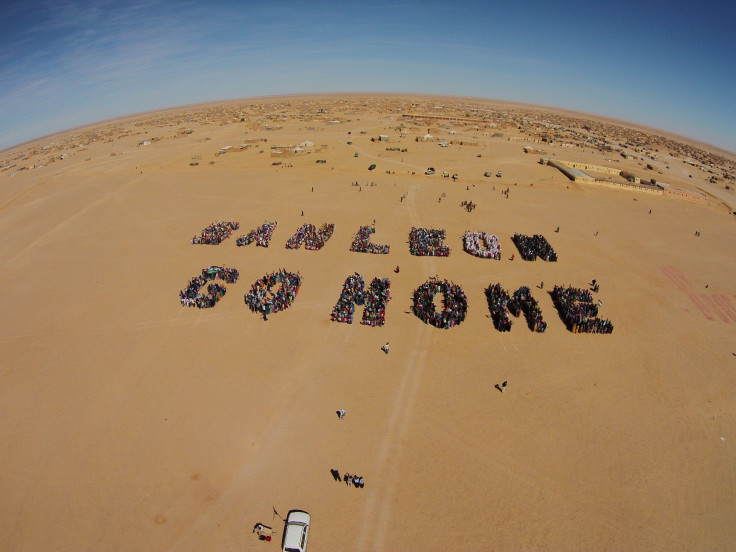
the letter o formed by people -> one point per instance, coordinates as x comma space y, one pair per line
454, 303
262, 299
191, 296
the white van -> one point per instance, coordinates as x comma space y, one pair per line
296, 531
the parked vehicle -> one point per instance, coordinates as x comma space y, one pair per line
499, 174
487, 174
429, 171
296, 531
373, 166
356, 154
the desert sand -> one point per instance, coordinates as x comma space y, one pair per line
130, 422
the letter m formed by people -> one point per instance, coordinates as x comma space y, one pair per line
373, 300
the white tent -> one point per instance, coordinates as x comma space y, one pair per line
428, 138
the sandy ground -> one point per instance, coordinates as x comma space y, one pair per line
129, 422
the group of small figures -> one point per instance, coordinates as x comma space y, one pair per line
354, 480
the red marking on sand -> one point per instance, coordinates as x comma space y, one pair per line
676, 277
699, 303
723, 308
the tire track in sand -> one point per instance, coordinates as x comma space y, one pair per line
377, 510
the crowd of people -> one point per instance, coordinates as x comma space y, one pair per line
469, 205
482, 244
578, 311
373, 300
374, 313
500, 303
261, 235
191, 296
351, 295
262, 299
425, 242
215, 233
454, 303
522, 300
312, 238
362, 242
536, 246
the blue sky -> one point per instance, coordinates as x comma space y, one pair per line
671, 65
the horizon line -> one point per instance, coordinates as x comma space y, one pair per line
542, 107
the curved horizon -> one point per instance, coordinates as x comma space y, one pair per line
545, 108
66, 65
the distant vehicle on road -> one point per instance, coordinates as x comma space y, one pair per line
373, 166
296, 531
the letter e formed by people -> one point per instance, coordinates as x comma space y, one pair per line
578, 311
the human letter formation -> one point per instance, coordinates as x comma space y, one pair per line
362, 242
261, 235
423, 242
578, 311
426, 242
500, 304
215, 233
575, 306
312, 238
261, 299
530, 248
454, 303
191, 297
482, 244
373, 299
